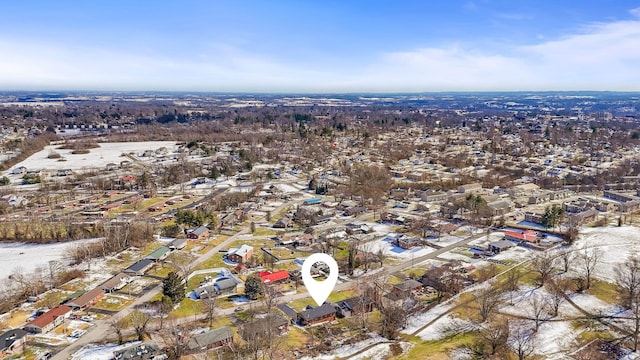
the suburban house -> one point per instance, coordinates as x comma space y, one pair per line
49, 320
177, 244
198, 233
140, 267
317, 315
498, 246
158, 254
115, 283
269, 278
407, 287
223, 286
143, 351
210, 339
470, 188
583, 216
283, 223
241, 254
526, 236
271, 324
408, 242
12, 342
87, 299
533, 217
354, 306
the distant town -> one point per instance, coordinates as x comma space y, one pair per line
175, 225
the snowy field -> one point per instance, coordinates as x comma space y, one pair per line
30, 256
97, 158
392, 250
615, 244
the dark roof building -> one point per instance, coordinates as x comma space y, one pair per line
140, 267
210, 339
317, 315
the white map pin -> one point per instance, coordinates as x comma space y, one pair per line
320, 290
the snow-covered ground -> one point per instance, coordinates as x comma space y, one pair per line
30, 256
615, 245
347, 350
394, 251
96, 158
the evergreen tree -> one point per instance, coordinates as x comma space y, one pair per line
173, 288
253, 287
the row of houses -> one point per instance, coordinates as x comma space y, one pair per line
82, 300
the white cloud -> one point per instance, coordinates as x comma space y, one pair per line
601, 56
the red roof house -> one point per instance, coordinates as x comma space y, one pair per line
270, 278
49, 320
527, 235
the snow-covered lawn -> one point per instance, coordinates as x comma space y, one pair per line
30, 256
96, 158
394, 251
616, 244
346, 350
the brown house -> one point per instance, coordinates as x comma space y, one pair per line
317, 315
88, 299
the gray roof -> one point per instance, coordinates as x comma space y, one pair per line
409, 285
177, 243
288, 311
209, 338
140, 265
225, 283
317, 312
200, 230
501, 244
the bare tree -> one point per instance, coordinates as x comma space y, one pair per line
589, 261
492, 339
488, 300
556, 297
139, 321
118, 326
271, 297
628, 279
543, 264
175, 337
537, 309
566, 256
635, 322
55, 267
210, 304
521, 339
510, 283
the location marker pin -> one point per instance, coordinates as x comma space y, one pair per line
320, 290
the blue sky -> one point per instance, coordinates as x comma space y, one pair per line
320, 46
